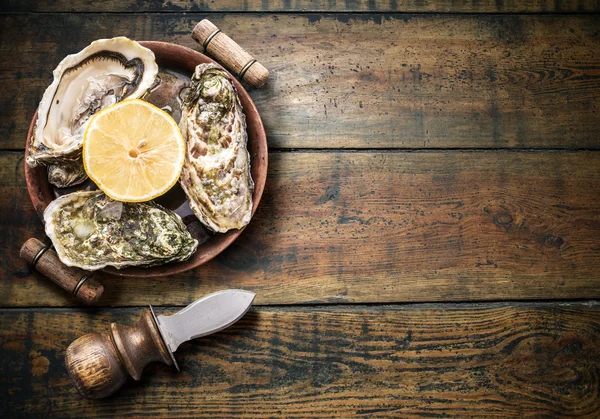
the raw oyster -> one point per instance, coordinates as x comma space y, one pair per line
67, 173
89, 230
216, 174
105, 72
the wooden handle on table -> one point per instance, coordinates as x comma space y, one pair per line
228, 53
99, 363
81, 284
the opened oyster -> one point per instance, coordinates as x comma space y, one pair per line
216, 173
105, 72
91, 231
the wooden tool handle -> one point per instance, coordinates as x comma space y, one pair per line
228, 53
99, 363
81, 284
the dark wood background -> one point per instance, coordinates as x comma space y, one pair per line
428, 244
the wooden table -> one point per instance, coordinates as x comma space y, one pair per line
428, 244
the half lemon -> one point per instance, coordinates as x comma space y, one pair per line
133, 151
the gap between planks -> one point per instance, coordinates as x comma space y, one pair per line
455, 305
406, 150
309, 12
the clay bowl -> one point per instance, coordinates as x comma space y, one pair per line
176, 63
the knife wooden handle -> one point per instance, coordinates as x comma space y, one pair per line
79, 283
100, 363
230, 54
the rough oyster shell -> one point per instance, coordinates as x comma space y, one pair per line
216, 173
105, 72
89, 230
67, 173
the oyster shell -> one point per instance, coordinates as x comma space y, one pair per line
216, 174
89, 230
67, 173
105, 72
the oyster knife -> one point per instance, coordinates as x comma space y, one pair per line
100, 363
205, 316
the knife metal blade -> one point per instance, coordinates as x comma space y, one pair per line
205, 316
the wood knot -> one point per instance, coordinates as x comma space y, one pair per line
573, 347
500, 216
549, 239
238, 258
554, 240
503, 219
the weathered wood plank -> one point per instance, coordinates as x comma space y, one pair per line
438, 6
485, 361
375, 227
362, 81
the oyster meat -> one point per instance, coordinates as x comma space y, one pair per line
216, 174
89, 230
105, 72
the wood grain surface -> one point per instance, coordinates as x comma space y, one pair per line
374, 227
484, 361
361, 81
438, 6
472, 173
